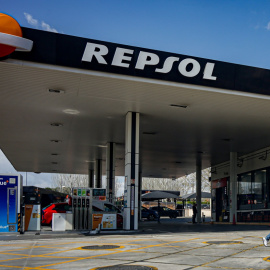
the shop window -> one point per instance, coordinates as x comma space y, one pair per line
259, 188
245, 196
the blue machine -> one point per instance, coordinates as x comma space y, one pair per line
10, 201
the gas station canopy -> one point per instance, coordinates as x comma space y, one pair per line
65, 100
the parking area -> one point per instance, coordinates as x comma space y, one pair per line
172, 244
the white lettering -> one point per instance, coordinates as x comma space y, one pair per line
195, 67
208, 71
188, 67
167, 67
119, 56
146, 58
96, 50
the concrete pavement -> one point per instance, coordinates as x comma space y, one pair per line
172, 244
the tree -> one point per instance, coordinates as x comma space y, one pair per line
65, 182
185, 184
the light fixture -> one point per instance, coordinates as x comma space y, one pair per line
54, 154
240, 162
56, 91
54, 162
179, 106
56, 124
89, 161
178, 162
263, 157
56, 141
71, 111
102, 146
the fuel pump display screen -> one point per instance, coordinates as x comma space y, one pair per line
99, 194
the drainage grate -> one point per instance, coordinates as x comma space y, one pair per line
223, 242
100, 247
127, 267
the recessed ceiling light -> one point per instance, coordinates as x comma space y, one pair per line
54, 154
56, 124
56, 141
178, 162
54, 163
226, 139
102, 146
179, 106
71, 111
89, 161
56, 91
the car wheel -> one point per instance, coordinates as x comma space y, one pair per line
151, 217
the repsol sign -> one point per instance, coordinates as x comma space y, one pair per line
141, 60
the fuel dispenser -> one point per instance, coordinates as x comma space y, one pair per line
81, 208
11, 196
32, 211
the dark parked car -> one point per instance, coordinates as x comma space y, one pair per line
165, 212
205, 206
149, 213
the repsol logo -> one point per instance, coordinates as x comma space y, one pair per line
122, 57
3, 183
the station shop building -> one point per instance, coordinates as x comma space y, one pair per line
83, 106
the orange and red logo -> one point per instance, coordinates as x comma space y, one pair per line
11, 36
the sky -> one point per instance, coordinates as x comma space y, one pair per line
235, 31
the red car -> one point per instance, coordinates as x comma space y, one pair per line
47, 213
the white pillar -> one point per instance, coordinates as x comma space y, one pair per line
233, 186
98, 173
199, 186
131, 171
110, 168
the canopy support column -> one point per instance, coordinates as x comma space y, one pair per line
199, 186
233, 187
131, 171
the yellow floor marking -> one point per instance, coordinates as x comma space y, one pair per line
3, 252
205, 264
25, 267
36, 255
13, 259
117, 252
